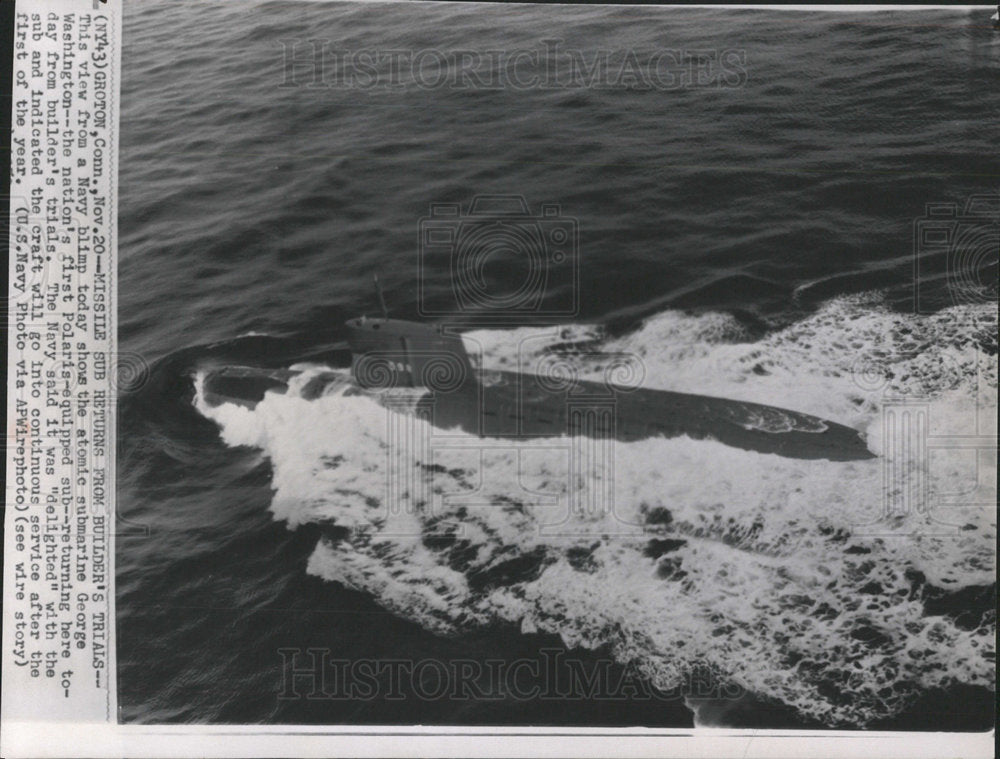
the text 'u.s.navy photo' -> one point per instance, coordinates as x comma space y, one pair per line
500, 379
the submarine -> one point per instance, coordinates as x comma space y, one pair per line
424, 369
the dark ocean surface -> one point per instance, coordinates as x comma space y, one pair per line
750, 237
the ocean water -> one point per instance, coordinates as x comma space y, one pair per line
753, 241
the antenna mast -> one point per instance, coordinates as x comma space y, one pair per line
381, 299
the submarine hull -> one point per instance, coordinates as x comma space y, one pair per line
523, 406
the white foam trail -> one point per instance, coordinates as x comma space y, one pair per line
798, 579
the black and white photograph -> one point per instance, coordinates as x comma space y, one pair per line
557, 365
569, 366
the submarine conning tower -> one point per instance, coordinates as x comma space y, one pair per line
388, 353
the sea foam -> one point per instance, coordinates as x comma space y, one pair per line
808, 581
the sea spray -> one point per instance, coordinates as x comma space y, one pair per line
811, 582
